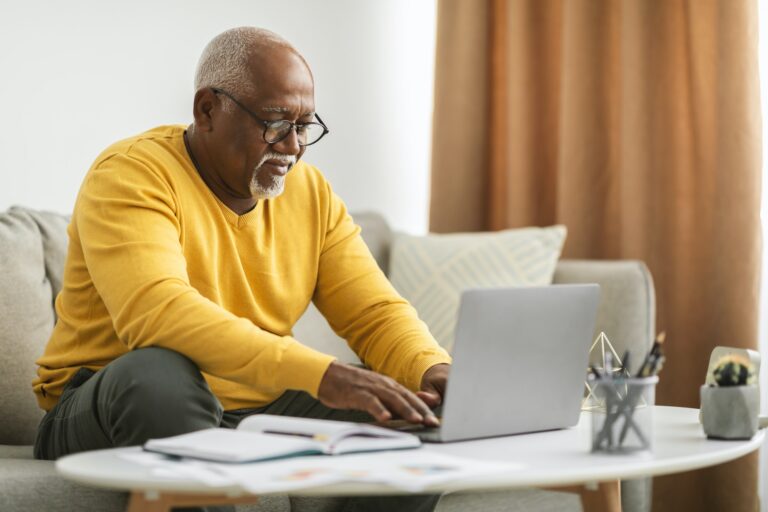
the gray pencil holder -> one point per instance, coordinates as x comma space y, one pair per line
623, 421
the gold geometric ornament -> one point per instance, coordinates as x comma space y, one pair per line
611, 365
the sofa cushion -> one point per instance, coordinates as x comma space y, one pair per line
513, 500
53, 232
431, 271
26, 314
12, 451
34, 485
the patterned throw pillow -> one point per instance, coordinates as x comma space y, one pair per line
431, 271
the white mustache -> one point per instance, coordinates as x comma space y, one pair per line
286, 159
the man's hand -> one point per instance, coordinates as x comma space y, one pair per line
347, 387
433, 384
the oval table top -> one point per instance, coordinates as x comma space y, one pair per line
560, 457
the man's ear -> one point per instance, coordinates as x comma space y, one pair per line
205, 106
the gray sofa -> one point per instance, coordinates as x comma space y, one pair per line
32, 252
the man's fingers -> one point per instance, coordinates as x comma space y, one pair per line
428, 417
345, 387
432, 399
398, 401
373, 406
423, 411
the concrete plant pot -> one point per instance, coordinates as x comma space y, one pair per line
730, 412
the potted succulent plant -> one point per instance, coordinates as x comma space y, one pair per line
730, 407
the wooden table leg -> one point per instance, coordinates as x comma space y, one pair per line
143, 501
604, 497
599, 497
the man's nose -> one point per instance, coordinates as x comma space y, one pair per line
289, 145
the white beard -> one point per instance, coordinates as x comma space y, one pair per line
274, 189
276, 183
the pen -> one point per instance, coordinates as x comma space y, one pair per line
625, 364
650, 368
608, 364
316, 437
613, 406
649, 362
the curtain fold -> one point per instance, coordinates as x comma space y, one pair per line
637, 125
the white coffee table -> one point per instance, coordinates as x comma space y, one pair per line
550, 458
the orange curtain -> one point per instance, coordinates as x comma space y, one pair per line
635, 123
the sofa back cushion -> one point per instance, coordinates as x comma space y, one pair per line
32, 248
432, 271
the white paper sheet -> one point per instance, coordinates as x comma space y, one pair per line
165, 467
409, 470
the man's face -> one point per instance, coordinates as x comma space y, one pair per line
247, 166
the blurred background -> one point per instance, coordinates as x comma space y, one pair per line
635, 123
82, 74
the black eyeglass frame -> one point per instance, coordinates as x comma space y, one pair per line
268, 124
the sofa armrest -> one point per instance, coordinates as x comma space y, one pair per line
627, 312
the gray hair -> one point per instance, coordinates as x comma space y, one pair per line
224, 62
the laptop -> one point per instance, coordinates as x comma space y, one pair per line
519, 362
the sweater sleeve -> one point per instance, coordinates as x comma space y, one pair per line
127, 222
363, 307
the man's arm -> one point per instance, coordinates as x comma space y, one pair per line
126, 220
379, 325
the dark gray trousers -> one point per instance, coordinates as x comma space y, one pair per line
155, 393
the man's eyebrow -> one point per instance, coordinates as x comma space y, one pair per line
285, 109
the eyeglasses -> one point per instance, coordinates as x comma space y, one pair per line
275, 131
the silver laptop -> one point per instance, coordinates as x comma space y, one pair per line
519, 361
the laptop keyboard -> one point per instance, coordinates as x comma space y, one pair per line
423, 432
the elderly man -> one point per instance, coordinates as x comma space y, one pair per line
192, 254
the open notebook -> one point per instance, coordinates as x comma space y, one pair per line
266, 437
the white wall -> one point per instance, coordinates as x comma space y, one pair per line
80, 74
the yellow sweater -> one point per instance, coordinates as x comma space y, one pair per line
155, 259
